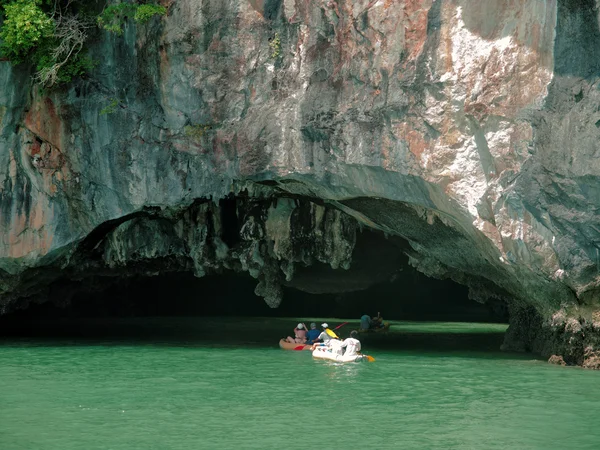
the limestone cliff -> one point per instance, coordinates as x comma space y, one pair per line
467, 128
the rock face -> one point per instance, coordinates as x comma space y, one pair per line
468, 130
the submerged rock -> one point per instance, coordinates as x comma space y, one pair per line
260, 136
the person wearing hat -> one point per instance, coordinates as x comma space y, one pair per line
352, 345
299, 335
313, 334
324, 337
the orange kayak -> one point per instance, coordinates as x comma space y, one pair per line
288, 346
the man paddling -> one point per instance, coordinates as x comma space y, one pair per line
326, 336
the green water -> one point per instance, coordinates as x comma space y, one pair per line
167, 384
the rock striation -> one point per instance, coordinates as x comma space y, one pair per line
262, 135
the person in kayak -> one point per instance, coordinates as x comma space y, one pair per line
313, 334
369, 323
352, 345
299, 335
377, 322
365, 322
325, 337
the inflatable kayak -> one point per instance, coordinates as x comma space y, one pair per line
288, 346
325, 353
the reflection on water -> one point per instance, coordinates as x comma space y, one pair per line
223, 383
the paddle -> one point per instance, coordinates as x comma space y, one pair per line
369, 358
331, 333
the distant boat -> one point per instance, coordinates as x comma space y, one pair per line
384, 329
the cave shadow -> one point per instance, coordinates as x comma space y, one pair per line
221, 310
258, 333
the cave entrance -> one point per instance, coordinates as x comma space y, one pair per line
178, 308
223, 307
380, 279
312, 261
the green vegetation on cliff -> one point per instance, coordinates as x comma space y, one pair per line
25, 25
114, 16
51, 35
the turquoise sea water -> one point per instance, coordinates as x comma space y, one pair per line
202, 384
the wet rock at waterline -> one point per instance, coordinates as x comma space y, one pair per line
263, 136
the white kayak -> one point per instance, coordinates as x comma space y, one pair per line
327, 353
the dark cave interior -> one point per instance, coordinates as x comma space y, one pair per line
408, 296
223, 310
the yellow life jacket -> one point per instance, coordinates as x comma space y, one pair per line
331, 333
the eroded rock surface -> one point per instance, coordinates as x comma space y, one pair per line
468, 129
